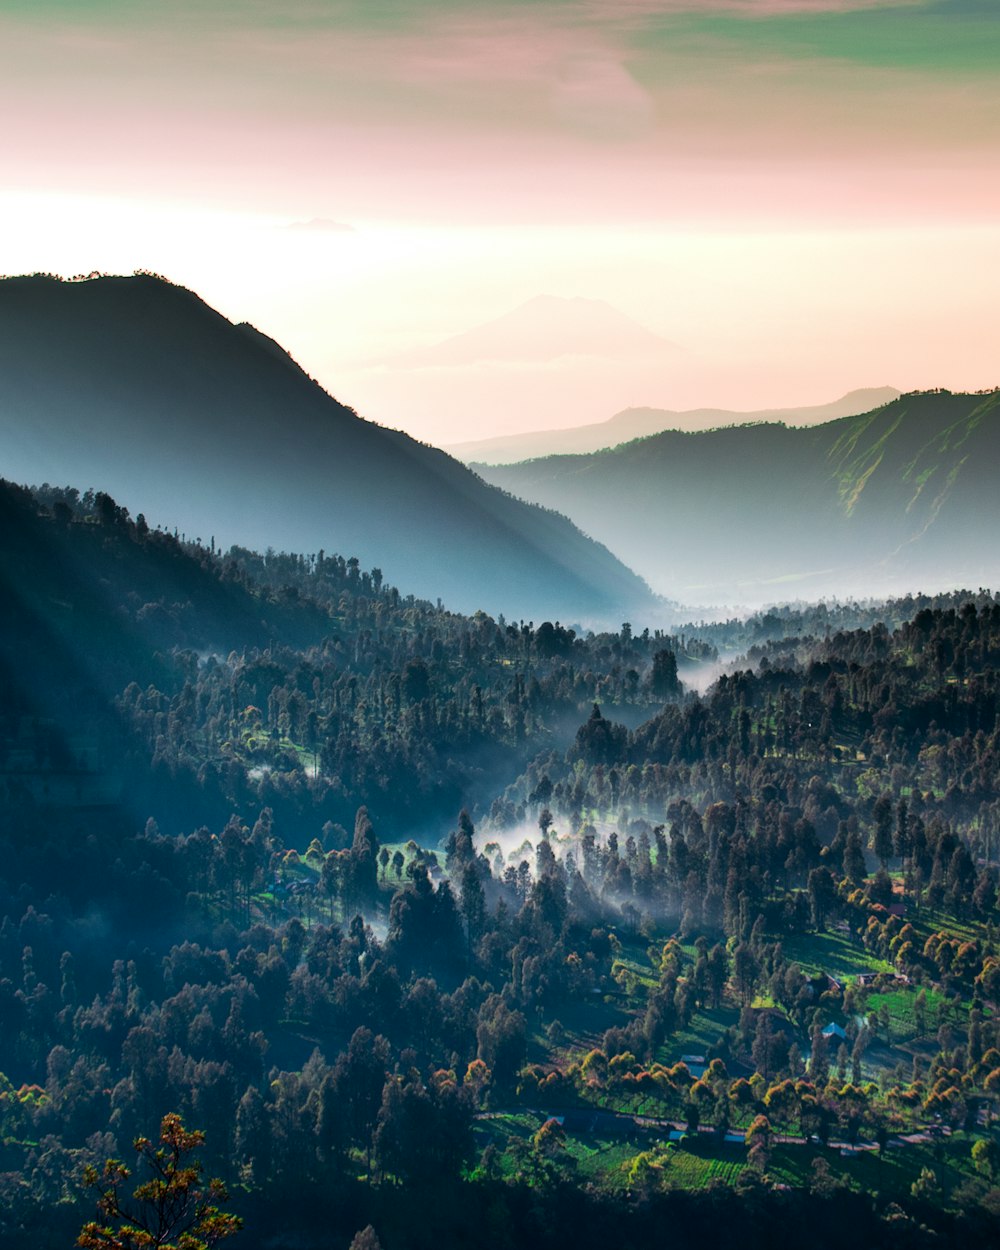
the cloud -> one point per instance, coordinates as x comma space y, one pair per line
556, 110
321, 225
601, 97
618, 10
498, 74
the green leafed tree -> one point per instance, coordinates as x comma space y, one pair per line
882, 830
663, 679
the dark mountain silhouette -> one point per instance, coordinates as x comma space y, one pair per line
641, 422
902, 496
136, 387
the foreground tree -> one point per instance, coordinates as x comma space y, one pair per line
366, 1240
173, 1209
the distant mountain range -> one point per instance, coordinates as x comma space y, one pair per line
904, 497
543, 329
136, 387
642, 422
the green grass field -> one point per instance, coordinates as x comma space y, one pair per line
832, 953
702, 1030
696, 1165
700, 1161
890, 1175
602, 1160
903, 1016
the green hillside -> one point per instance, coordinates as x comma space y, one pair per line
634, 423
900, 495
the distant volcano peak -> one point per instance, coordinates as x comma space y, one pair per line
543, 329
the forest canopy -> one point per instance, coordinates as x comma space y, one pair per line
390, 900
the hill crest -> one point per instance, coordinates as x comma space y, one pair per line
899, 497
137, 387
633, 423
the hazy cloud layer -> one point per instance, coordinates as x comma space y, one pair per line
504, 109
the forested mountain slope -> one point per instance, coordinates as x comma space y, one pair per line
503, 1008
141, 673
901, 495
135, 387
505, 1012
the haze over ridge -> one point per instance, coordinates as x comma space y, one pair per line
136, 387
891, 500
641, 422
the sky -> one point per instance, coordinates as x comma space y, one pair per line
800, 197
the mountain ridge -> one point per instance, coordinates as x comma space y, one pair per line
642, 422
137, 387
902, 495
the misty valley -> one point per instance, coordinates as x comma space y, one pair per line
388, 862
